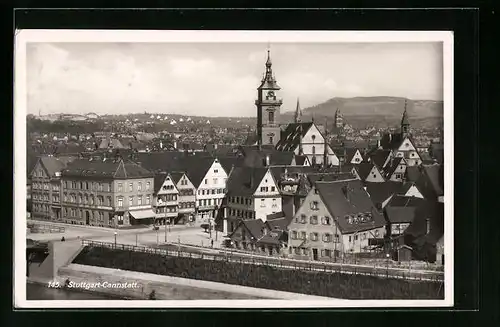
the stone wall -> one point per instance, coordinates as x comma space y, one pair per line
167, 287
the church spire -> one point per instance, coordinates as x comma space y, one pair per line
405, 123
298, 113
325, 147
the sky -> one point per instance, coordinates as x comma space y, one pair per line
220, 79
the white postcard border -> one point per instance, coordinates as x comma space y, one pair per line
20, 97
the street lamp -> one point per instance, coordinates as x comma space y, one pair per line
387, 255
115, 238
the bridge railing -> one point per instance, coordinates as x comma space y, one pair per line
278, 262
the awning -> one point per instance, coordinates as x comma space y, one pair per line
142, 214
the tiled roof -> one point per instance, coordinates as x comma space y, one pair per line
328, 177
254, 226
176, 176
350, 152
379, 157
106, 169
111, 143
391, 141
418, 229
379, 192
350, 204
159, 179
392, 166
363, 169
397, 215
412, 173
257, 158
406, 201
290, 138
244, 181
228, 162
54, 164
300, 160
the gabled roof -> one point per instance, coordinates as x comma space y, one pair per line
379, 192
159, 179
328, 177
106, 169
363, 169
290, 137
254, 227
379, 157
392, 166
413, 173
257, 158
54, 164
300, 160
391, 141
406, 201
195, 168
349, 154
350, 205
397, 215
176, 176
418, 229
245, 180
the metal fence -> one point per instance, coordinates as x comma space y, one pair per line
282, 263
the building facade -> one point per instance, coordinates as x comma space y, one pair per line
46, 192
166, 200
110, 193
187, 196
336, 219
211, 191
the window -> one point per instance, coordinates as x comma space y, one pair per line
139, 186
303, 235
209, 202
120, 201
328, 253
314, 205
326, 220
303, 219
206, 181
314, 220
215, 180
262, 203
274, 203
148, 185
376, 233
139, 200
271, 117
130, 187
213, 191
120, 187
314, 236
327, 237
262, 188
356, 237
270, 140
273, 188
130, 201
294, 234
216, 171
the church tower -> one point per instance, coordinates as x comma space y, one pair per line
298, 113
405, 123
268, 107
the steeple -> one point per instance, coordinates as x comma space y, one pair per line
325, 147
405, 123
298, 113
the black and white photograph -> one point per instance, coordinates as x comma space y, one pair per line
233, 169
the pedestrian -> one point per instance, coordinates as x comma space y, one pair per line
63, 239
212, 242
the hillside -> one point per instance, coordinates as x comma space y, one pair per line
377, 110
